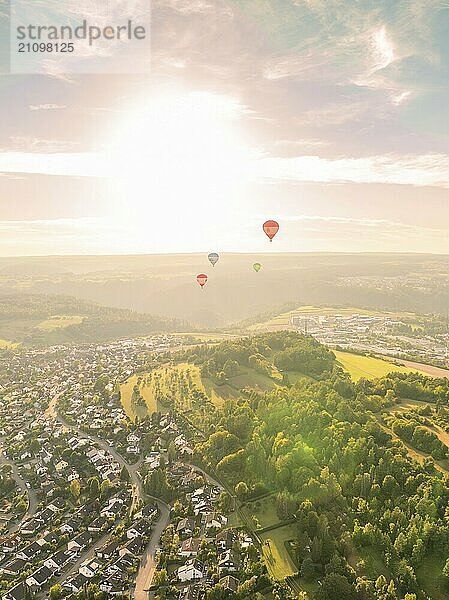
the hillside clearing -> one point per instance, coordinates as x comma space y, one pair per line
60, 322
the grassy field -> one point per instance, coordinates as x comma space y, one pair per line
367, 366
275, 553
263, 510
431, 579
59, 322
175, 382
126, 390
208, 337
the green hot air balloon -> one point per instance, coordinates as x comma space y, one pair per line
257, 267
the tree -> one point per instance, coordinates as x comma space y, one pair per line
56, 592
216, 593
105, 488
336, 586
75, 489
307, 569
124, 474
94, 487
241, 489
172, 452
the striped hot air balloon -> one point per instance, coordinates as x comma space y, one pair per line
202, 279
213, 258
271, 228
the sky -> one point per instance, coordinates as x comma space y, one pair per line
329, 116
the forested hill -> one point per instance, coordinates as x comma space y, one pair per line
356, 474
283, 350
40, 319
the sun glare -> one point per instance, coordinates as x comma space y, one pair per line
180, 158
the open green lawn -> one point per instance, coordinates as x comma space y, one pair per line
373, 563
367, 366
59, 322
275, 553
431, 579
263, 510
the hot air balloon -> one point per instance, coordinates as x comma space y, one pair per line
271, 228
201, 278
257, 267
213, 258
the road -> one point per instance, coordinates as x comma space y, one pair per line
31, 494
148, 563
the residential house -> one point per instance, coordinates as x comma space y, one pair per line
80, 542
193, 569
190, 547
186, 526
39, 578
91, 567
228, 561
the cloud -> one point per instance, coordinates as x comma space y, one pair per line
87, 164
416, 170
47, 107
423, 170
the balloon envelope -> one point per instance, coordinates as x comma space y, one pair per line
213, 258
257, 267
201, 278
271, 228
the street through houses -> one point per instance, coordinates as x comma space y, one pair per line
148, 562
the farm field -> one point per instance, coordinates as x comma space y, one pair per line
366, 366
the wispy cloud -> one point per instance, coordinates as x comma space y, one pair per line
88, 164
424, 170
47, 107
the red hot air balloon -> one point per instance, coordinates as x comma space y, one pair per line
271, 228
201, 278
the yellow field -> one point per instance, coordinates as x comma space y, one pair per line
209, 337
275, 554
7, 345
126, 390
367, 366
60, 322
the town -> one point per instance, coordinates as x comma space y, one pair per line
384, 334
90, 500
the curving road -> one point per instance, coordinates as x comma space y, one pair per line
21, 484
